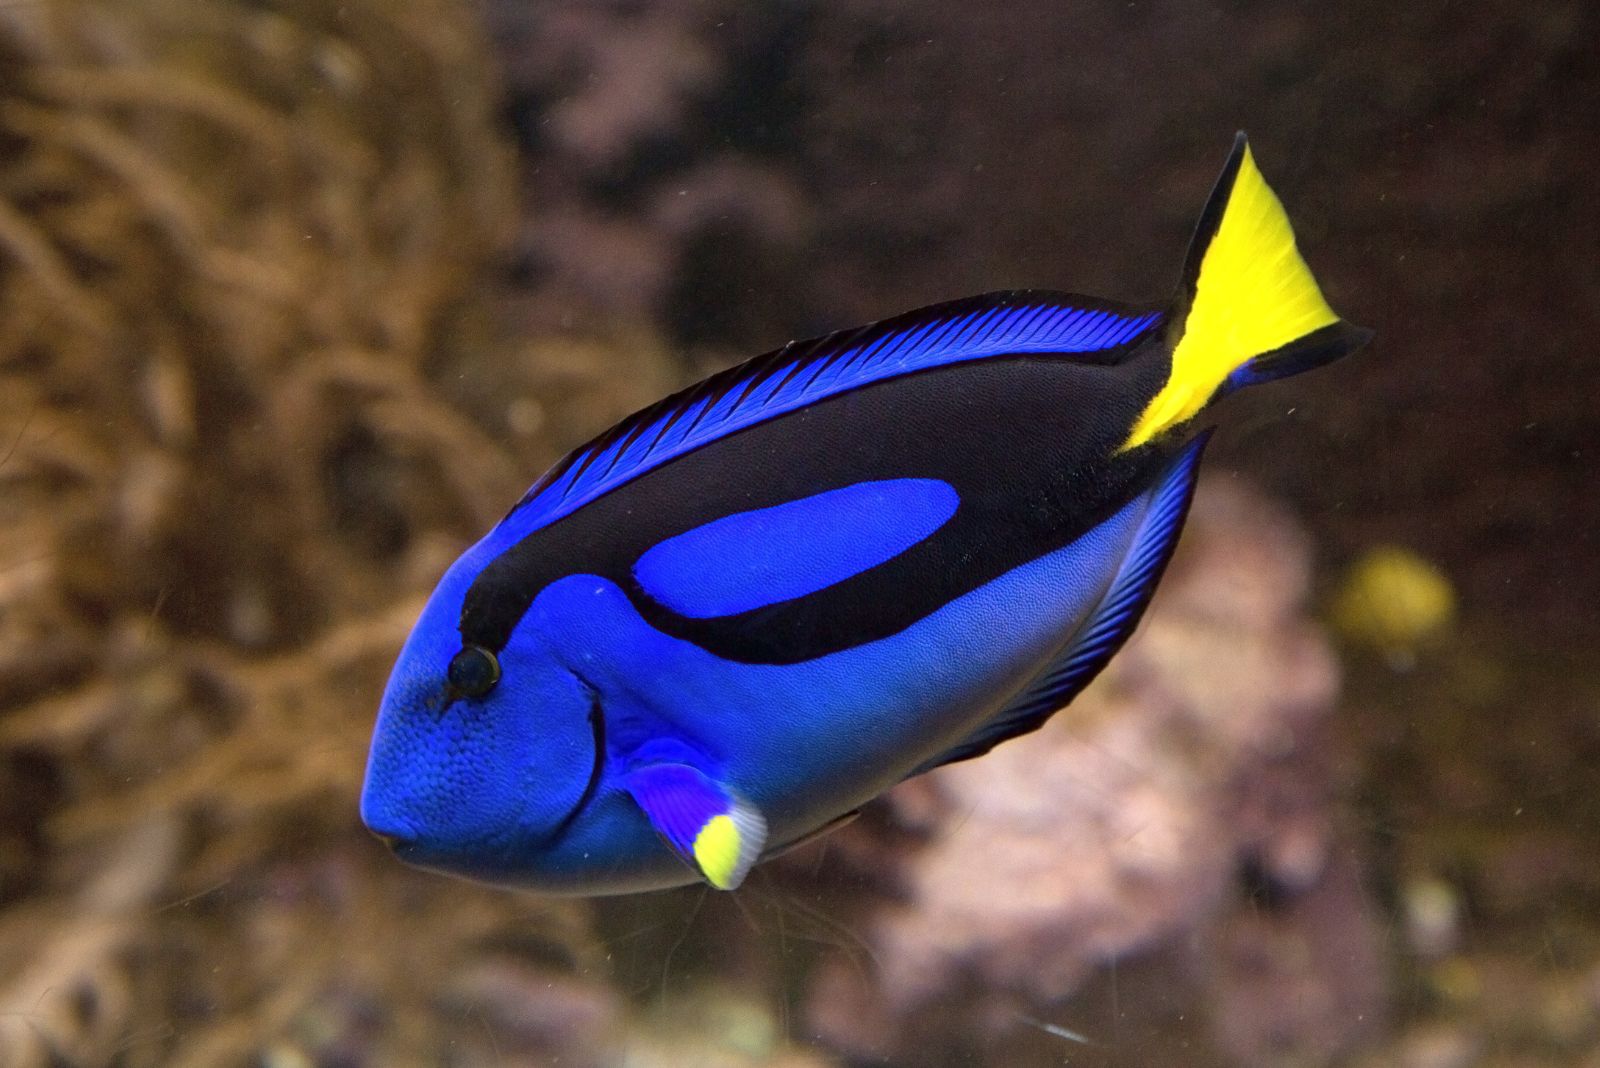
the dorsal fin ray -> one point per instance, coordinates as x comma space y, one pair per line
1104, 630
1006, 323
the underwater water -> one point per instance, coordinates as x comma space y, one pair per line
298, 297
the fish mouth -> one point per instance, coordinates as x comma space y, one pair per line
398, 839
380, 816
407, 850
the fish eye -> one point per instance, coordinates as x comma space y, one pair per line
473, 671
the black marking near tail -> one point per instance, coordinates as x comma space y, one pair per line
1303, 354
1204, 230
1105, 629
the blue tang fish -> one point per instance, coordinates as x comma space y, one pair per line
725, 624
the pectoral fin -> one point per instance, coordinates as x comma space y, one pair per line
719, 833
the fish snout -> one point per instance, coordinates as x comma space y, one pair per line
381, 816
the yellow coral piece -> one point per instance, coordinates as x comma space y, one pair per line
1253, 294
716, 850
1394, 599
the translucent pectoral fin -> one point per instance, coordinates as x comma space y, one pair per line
719, 833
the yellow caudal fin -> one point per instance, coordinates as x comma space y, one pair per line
1248, 310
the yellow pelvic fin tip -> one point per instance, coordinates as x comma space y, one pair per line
716, 851
729, 845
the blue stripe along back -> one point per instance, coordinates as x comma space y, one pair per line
801, 373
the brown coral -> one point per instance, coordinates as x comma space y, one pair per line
240, 256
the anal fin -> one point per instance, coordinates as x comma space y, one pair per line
811, 836
1104, 630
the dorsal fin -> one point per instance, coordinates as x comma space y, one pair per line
1104, 630
803, 372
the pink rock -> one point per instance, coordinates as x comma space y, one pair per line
1120, 826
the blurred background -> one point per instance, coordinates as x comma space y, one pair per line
296, 297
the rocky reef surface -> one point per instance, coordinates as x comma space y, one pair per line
1178, 810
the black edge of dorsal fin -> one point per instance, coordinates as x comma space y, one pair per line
1007, 322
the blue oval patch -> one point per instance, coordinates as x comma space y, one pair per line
752, 559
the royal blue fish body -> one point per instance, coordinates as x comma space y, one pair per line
742, 613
